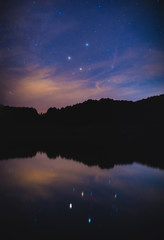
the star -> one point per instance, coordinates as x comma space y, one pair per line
87, 44
69, 58
80, 69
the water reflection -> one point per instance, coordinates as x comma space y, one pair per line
61, 196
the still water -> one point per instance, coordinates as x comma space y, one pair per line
61, 197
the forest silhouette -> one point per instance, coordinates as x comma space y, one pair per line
104, 132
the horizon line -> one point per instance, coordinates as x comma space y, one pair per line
89, 99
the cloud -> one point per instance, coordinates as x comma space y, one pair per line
44, 87
134, 67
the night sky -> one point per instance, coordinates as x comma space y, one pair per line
55, 53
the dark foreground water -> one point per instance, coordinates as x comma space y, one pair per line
64, 199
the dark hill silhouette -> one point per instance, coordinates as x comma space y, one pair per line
92, 121
14, 115
90, 112
106, 125
110, 111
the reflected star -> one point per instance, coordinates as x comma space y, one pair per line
70, 205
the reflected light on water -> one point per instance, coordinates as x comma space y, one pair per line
70, 205
46, 190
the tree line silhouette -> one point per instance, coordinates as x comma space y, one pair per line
90, 112
107, 125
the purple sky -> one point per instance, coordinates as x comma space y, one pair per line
56, 53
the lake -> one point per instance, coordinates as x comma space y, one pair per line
64, 198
